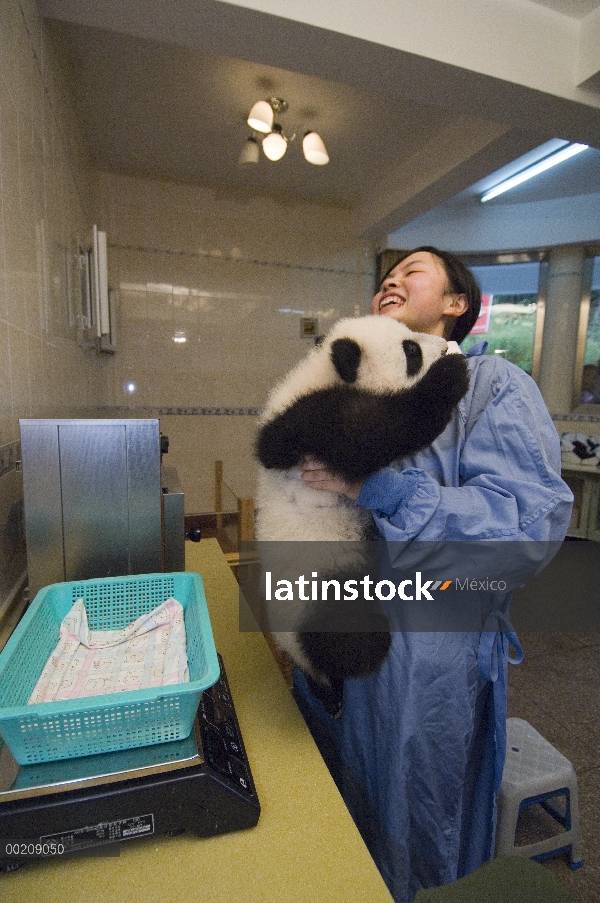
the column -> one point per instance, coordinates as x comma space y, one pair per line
561, 323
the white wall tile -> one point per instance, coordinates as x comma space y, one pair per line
45, 370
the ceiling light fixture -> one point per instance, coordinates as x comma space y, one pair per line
314, 149
250, 152
565, 153
275, 143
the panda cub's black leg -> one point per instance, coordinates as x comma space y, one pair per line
340, 655
331, 697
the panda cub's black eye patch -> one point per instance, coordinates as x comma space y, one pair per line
414, 357
345, 356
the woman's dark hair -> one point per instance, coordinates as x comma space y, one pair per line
461, 281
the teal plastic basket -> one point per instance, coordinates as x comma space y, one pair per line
81, 727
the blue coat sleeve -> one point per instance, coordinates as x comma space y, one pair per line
493, 474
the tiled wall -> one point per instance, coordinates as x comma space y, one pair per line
212, 290
44, 212
232, 276
44, 184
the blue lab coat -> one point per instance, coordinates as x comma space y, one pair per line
418, 750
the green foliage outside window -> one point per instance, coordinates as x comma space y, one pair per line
511, 330
592, 345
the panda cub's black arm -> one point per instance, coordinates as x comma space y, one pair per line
278, 444
425, 410
355, 432
370, 431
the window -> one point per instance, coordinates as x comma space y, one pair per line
509, 311
590, 377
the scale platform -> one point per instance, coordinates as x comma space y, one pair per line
90, 805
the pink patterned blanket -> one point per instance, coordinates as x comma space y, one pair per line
150, 652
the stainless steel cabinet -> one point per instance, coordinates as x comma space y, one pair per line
93, 500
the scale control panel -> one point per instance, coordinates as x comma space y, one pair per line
221, 736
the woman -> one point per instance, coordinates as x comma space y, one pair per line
419, 748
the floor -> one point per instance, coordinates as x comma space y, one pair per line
556, 689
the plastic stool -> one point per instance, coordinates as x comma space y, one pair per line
535, 772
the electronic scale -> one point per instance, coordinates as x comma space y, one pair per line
89, 805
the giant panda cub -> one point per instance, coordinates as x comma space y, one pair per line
371, 393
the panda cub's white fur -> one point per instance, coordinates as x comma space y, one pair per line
371, 393
383, 366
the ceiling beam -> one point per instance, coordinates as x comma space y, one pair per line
588, 61
466, 152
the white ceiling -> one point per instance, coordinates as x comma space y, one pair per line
163, 90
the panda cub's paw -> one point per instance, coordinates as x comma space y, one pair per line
337, 656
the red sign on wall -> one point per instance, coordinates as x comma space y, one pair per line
482, 323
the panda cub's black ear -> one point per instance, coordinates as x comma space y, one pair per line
345, 356
414, 357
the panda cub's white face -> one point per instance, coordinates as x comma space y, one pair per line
383, 366
392, 357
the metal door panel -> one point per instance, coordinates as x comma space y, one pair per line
43, 507
144, 488
93, 470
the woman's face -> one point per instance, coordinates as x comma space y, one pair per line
416, 293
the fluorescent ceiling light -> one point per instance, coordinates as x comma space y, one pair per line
541, 166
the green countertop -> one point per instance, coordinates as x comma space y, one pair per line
305, 846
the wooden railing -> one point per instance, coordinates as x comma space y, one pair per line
245, 514
245, 533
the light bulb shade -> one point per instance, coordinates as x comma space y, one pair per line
314, 149
249, 153
274, 144
260, 117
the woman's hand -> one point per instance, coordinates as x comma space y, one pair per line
316, 475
